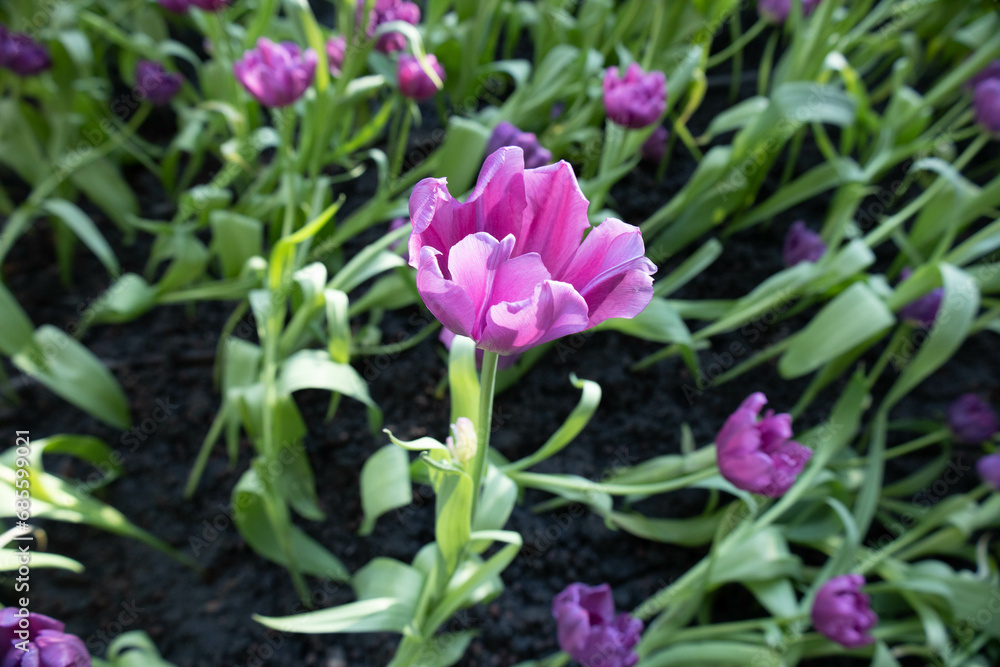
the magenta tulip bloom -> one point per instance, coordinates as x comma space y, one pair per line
413, 81
21, 54
508, 134
986, 102
507, 268
842, 613
386, 11
276, 74
972, 420
155, 83
590, 631
988, 468
636, 100
777, 11
655, 147
48, 645
802, 245
759, 456
922, 310
336, 51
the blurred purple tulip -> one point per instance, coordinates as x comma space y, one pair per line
413, 81
759, 456
21, 54
991, 71
972, 420
276, 74
176, 6
508, 134
336, 51
48, 645
777, 11
386, 11
802, 245
922, 310
655, 147
590, 631
155, 83
636, 100
986, 102
507, 267
988, 468
842, 613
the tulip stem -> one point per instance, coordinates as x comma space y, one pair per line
487, 387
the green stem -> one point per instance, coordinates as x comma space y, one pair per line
544, 481
737, 46
484, 423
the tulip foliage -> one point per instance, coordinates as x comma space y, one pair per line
331, 169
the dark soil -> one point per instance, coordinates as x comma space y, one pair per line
165, 359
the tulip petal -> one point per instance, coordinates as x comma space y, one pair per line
439, 221
499, 195
555, 218
611, 272
554, 310
445, 299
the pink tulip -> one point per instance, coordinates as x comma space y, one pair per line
413, 80
759, 456
842, 613
510, 268
637, 99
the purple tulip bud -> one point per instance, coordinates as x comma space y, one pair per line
988, 468
336, 51
636, 100
802, 245
155, 83
414, 82
922, 310
210, 5
759, 456
777, 11
176, 6
48, 645
986, 102
655, 147
386, 11
842, 613
507, 134
991, 71
972, 420
276, 74
590, 631
21, 54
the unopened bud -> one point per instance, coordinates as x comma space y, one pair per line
464, 443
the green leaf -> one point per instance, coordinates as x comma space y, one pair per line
71, 371
496, 501
17, 330
692, 532
574, 424
463, 382
252, 520
375, 615
135, 649
85, 229
453, 522
235, 239
658, 323
959, 306
129, 297
761, 556
103, 184
385, 485
854, 316
314, 369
